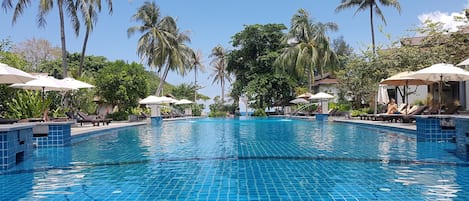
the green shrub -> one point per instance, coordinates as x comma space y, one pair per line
196, 110
259, 113
217, 114
356, 113
27, 104
419, 102
118, 116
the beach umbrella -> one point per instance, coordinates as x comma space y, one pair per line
299, 100
43, 83
441, 73
10, 75
75, 84
404, 79
464, 63
305, 95
155, 100
321, 96
183, 101
383, 96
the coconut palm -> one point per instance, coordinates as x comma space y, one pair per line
176, 55
220, 74
156, 31
373, 6
89, 10
308, 47
196, 61
45, 6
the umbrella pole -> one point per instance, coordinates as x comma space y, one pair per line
439, 95
43, 99
407, 95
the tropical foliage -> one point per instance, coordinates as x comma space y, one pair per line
27, 104
161, 43
220, 74
122, 84
308, 50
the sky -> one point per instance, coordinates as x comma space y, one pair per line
214, 22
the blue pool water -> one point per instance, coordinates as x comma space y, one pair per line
241, 159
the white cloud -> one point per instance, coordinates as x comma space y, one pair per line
448, 20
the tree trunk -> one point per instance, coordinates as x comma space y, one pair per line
372, 30
82, 58
195, 83
162, 80
62, 38
222, 82
310, 84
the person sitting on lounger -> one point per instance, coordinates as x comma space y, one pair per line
392, 107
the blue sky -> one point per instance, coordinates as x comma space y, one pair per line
213, 22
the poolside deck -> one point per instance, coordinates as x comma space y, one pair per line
408, 126
86, 128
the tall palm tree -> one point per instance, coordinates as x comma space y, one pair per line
177, 57
220, 74
89, 10
161, 42
45, 6
373, 6
308, 47
196, 61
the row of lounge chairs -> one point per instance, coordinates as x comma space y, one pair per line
84, 118
408, 114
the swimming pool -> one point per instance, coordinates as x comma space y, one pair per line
242, 159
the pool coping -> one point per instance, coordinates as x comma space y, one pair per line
408, 128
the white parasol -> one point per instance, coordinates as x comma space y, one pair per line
9, 75
183, 101
322, 97
75, 84
299, 100
441, 73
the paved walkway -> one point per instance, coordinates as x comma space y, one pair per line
409, 126
86, 128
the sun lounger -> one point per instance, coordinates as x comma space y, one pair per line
95, 121
7, 121
81, 120
452, 109
405, 118
142, 116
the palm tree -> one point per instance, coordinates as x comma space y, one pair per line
89, 10
373, 6
161, 42
220, 73
196, 61
308, 47
177, 57
45, 6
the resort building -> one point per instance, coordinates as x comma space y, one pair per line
326, 83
